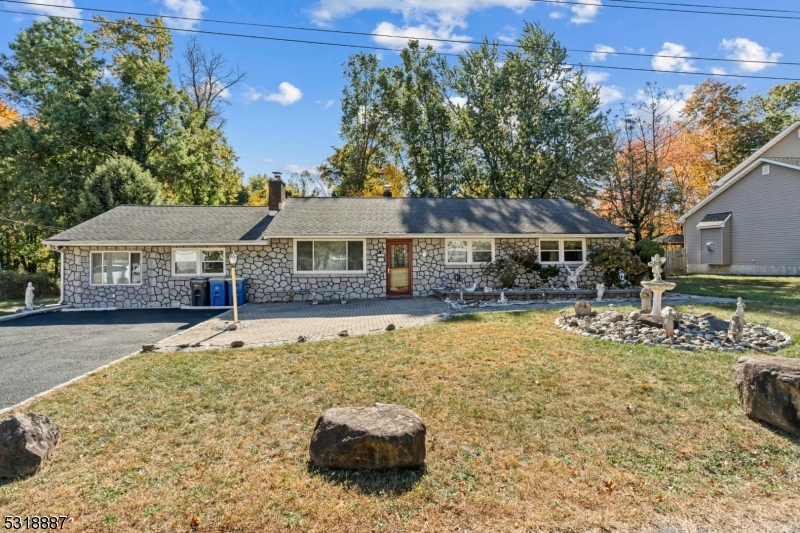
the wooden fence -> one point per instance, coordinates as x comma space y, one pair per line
676, 261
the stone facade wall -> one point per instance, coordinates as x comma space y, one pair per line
269, 267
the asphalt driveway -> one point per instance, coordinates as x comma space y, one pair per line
42, 351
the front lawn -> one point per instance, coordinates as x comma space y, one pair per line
528, 429
9, 306
777, 293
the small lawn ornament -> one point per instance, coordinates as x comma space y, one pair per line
572, 276
29, 297
622, 280
487, 289
736, 328
647, 297
472, 289
740, 307
601, 288
503, 299
669, 324
656, 263
582, 309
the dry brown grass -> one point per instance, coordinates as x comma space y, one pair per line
529, 430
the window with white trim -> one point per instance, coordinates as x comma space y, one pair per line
198, 262
330, 256
116, 268
468, 251
554, 251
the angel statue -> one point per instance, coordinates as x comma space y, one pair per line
656, 263
572, 276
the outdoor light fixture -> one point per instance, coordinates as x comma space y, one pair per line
710, 246
232, 261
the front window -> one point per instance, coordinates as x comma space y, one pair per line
330, 256
465, 251
189, 262
116, 268
561, 251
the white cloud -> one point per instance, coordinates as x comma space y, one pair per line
458, 101
423, 31
746, 50
251, 95
298, 169
585, 13
56, 8
508, 35
717, 70
677, 95
184, 8
677, 61
267, 160
329, 104
287, 94
601, 52
595, 77
556, 15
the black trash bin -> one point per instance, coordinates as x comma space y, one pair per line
200, 293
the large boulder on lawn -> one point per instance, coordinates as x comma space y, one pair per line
769, 390
26, 442
381, 436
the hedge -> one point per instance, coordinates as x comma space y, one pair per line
13, 285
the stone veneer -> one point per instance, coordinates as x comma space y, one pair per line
269, 267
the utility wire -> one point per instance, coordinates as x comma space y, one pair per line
757, 9
668, 9
408, 37
387, 49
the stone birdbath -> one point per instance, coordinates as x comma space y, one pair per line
657, 285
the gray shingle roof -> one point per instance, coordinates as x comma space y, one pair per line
445, 216
170, 224
714, 220
138, 224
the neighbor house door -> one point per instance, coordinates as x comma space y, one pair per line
399, 280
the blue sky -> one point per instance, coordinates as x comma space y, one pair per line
285, 115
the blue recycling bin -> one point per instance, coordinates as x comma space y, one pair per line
241, 291
218, 292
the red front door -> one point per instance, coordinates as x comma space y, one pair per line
399, 280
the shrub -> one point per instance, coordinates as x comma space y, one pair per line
647, 248
510, 262
610, 258
548, 272
13, 285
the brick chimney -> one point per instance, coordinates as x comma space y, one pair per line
387, 191
277, 194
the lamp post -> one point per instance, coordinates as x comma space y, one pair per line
232, 261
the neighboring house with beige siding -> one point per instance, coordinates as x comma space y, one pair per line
750, 224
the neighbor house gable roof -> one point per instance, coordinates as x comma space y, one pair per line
169, 224
380, 216
758, 154
335, 217
744, 172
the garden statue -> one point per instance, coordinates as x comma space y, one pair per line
472, 289
29, 297
572, 276
740, 307
587, 323
656, 263
487, 289
646, 295
503, 298
736, 327
669, 324
582, 309
622, 280
601, 288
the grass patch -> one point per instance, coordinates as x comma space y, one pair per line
8, 307
528, 429
776, 293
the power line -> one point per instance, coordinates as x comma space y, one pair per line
387, 49
708, 6
667, 9
408, 37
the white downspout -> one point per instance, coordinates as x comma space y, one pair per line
61, 301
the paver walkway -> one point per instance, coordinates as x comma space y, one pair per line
266, 324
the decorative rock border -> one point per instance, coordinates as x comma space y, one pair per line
690, 332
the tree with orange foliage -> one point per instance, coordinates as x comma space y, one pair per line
8, 115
